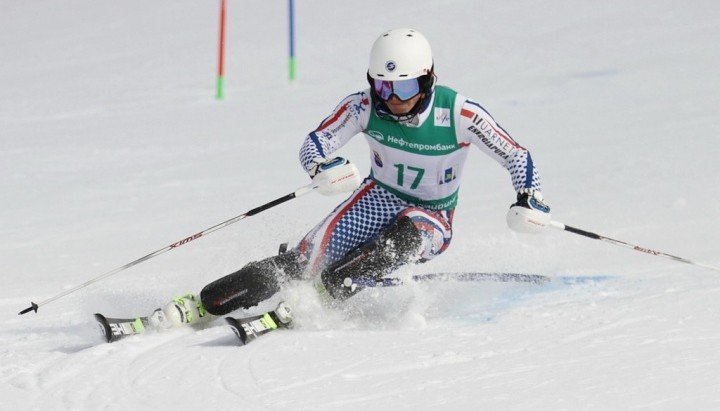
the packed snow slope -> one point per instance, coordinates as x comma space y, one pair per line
112, 146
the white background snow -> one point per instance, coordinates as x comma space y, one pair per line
112, 146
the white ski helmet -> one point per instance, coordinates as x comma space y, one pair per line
400, 54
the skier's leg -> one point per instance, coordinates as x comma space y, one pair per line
398, 245
347, 227
416, 236
250, 285
360, 218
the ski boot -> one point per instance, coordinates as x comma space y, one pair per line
398, 245
184, 310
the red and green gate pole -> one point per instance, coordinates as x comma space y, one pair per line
221, 53
220, 94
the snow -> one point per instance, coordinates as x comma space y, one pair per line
112, 146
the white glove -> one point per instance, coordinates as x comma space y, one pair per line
335, 176
529, 214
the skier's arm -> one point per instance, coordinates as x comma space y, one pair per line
529, 214
479, 128
349, 118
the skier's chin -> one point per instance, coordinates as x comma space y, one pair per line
400, 109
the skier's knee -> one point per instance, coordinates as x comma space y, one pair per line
398, 245
434, 231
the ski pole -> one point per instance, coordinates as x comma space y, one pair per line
297, 193
594, 236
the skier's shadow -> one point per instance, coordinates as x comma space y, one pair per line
74, 349
229, 340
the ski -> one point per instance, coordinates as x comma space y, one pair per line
114, 329
249, 329
443, 277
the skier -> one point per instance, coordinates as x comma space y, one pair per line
419, 134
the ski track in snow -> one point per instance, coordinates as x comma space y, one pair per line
365, 368
254, 374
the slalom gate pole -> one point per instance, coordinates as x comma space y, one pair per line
594, 236
291, 35
220, 94
297, 193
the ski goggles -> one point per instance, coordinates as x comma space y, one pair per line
402, 89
